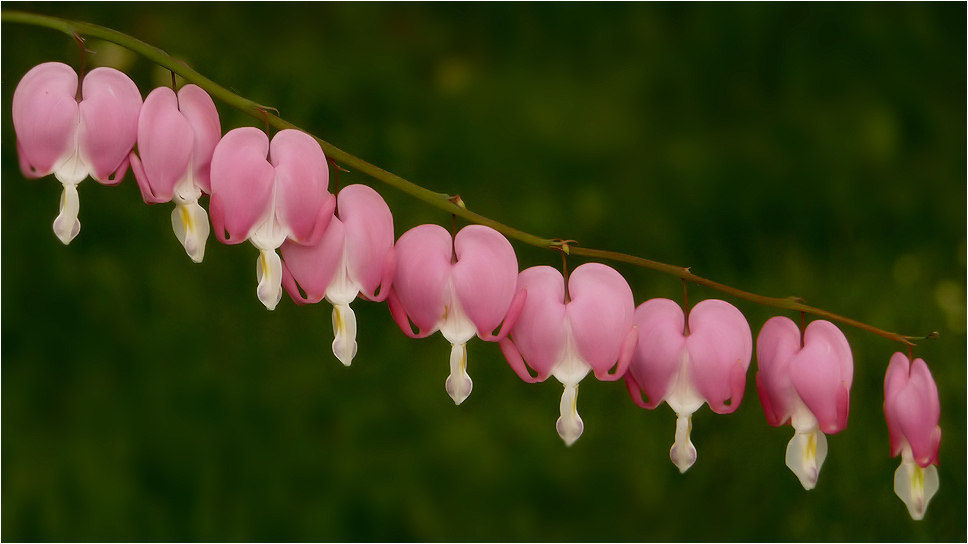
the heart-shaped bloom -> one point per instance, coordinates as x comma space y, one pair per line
268, 193
176, 139
806, 385
461, 286
912, 410
57, 134
567, 335
705, 362
354, 257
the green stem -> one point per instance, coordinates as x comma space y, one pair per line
451, 205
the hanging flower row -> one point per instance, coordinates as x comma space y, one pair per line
315, 245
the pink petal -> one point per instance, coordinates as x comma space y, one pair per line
485, 276
302, 177
822, 374
514, 313
108, 127
242, 181
625, 355
773, 415
45, 117
199, 109
776, 345
423, 273
516, 361
894, 381
369, 236
600, 313
165, 142
654, 365
720, 345
635, 391
313, 267
540, 333
912, 409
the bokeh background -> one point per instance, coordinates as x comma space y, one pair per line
785, 149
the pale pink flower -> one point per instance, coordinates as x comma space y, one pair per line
461, 286
807, 386
176, 139
354, 257
687, 367
268, 193
590, 330
912, 410
57, 134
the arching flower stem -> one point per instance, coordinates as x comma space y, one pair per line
448, 204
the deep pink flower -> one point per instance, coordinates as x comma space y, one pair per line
268, 193
912, 410
176, 139
461, 286
354, 256
705, 363
568, 338
57, 134
807, 387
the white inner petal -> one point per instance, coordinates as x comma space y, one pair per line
915, 485
683, 452
458, 384
344, 333
186, 191
66, 225
72, 169
269, 274
456, 327
569, 425
683, 397
342, 290
571, 368
269, 235
805, 455
189, 221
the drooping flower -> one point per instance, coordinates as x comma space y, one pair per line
354, 257
461, 286
70, 138
567, 335
806, 384
912, 410
176, 139
268, 193
705, 362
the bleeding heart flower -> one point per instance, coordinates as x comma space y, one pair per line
912, 410
461, 286
705, 362
354, 256
267, 193
806, 384
568, 335
176, 139
57, 134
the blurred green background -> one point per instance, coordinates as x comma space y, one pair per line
785, 149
